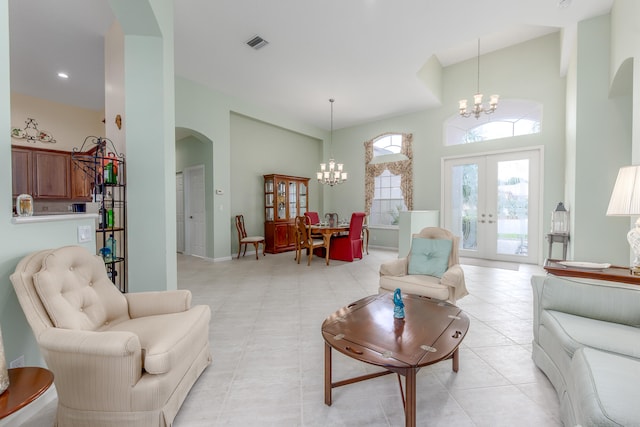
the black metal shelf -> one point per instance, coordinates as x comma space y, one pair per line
92, 158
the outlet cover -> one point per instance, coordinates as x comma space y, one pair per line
18, 363
84, 233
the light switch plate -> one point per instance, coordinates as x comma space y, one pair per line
84, 233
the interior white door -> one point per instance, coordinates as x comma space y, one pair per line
493, 202
195, 214
180, 212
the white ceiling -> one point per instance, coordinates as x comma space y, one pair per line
363, 53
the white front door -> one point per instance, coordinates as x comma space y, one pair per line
180, 212
195, 214
493, 202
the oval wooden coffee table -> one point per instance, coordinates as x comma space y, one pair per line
366, 330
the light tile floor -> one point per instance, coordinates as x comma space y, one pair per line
268, 351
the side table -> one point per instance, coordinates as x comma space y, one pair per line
560, 238
25, 386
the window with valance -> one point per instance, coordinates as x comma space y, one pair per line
388, 177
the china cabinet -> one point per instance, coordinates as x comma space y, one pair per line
285, 197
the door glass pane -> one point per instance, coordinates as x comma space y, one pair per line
513, 207
464, 204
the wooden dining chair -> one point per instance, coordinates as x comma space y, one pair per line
304, 240
243, 239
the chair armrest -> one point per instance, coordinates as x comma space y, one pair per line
144, 304
92, 370
454, 278
396, 267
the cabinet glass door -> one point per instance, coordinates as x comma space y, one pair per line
268, 200
282, 200
303, 198
293, 200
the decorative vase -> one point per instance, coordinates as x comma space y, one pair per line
398, 309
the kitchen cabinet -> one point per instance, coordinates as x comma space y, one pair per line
52, 178
81, 184
22, 169
285, 197
48, 175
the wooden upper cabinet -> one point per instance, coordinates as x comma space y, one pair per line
80, 183
48, 174
22, 167
52, 176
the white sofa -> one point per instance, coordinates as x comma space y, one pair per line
450, 287
117, 359
587, 342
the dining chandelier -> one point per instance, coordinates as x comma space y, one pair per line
478, 108
334, 174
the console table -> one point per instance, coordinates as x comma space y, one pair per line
613, 274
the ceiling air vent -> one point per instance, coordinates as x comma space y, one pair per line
257, 42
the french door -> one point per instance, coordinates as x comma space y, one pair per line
492, 202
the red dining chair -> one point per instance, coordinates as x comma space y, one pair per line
314, 218
346, 248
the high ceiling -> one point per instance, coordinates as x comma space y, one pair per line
363, 53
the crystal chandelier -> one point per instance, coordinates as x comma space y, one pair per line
334, 175
478, 108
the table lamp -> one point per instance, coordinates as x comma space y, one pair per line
625, 201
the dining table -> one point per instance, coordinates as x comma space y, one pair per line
327, 231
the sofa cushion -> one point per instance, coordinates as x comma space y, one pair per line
604, 388
166, 338
574, 332
608, 301
76, 292
429, 256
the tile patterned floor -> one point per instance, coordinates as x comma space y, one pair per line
268, 350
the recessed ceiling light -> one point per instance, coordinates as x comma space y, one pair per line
63, 75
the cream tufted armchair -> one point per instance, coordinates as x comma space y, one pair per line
450, 286
118, 359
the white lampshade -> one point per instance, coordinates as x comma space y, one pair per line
625, 199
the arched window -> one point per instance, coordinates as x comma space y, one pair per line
513, 117
388, 178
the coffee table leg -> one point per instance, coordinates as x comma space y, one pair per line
327, 374
410, 404
456, 360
